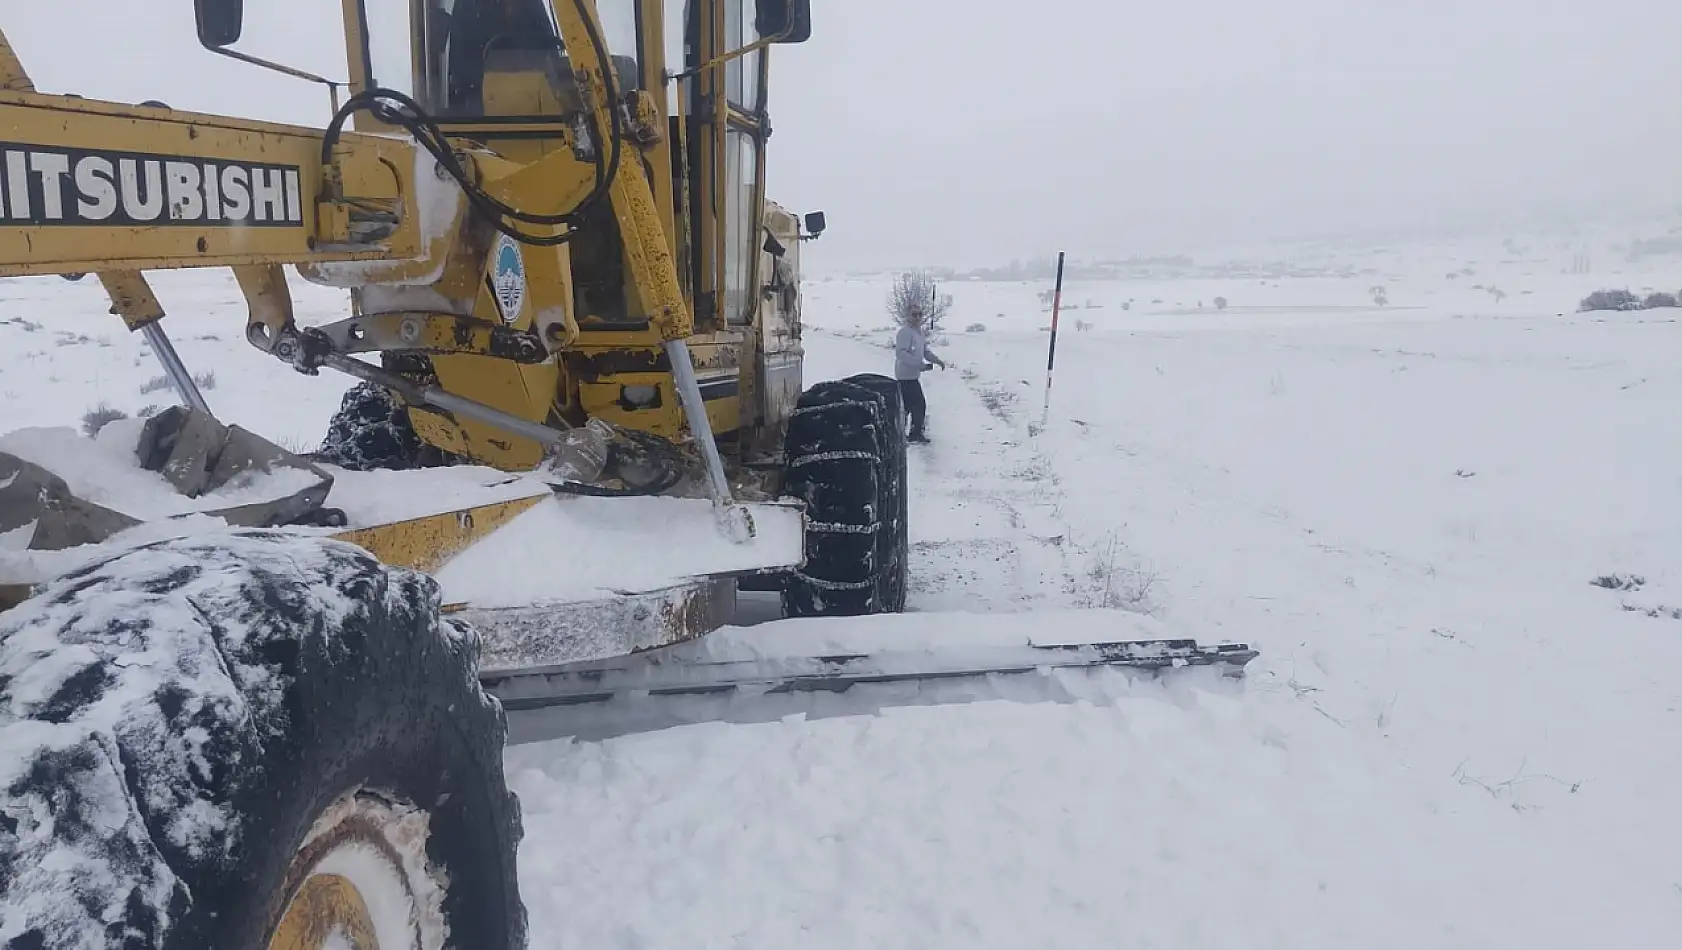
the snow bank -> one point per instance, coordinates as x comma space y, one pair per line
1448, 739
1161, 815
66, 355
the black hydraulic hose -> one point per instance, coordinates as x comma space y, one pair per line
399, 109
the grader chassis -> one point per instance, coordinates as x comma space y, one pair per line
267, 718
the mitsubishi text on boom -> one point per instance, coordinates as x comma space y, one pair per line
69, 187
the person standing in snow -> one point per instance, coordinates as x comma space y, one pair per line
911, 357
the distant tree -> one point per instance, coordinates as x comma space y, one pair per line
1220, 303
1658, 300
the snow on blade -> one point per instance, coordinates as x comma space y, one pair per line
382, 497
579, 547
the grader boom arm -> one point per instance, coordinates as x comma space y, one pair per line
91, 186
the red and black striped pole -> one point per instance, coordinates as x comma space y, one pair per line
1051, 352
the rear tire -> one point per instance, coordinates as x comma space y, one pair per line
371, 431
845, 459
210, 731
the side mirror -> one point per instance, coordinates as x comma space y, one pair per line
788, 20
219, 21
814, 224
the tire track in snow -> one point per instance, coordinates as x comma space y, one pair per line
987, 531
987, 526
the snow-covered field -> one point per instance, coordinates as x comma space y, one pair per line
1454, 737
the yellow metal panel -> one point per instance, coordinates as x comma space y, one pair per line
529, 391
116, 187
553, 184
424, 544
524, 93
12, 74
659, 155
601, 400
650, 265
436, 429
269, 303
511, 387
131, 297
723, 412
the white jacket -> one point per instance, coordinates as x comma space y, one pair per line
911, 353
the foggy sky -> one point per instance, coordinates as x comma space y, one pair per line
970, 133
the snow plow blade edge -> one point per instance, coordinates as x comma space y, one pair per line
650, 675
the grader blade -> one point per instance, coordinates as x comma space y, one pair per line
638, 678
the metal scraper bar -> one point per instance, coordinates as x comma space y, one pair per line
653, 677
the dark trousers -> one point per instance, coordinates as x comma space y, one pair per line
911, 393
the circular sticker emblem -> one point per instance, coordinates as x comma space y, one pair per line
508, 278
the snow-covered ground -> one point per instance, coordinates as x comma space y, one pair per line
1453, 737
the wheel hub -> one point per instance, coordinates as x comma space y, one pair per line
361, 882
327, 913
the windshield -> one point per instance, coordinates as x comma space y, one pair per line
491, 57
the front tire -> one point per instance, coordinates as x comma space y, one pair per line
845, 459
214, 735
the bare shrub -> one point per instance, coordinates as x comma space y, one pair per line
1116, 585
914, 302
99, 417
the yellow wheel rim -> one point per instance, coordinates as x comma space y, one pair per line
350, 886
325, 907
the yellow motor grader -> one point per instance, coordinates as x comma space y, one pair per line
255, 698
